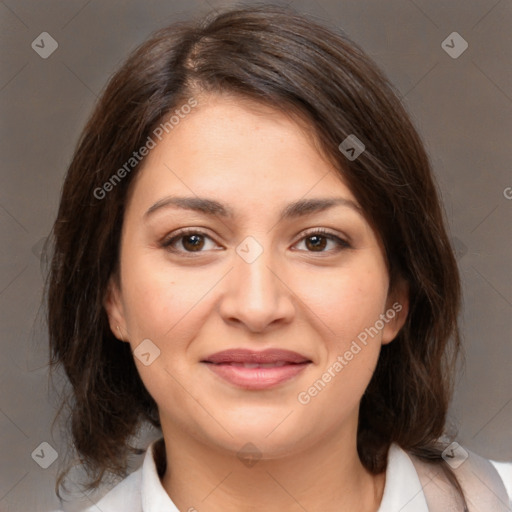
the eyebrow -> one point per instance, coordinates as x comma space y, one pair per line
296, 209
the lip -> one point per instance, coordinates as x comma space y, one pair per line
256, 370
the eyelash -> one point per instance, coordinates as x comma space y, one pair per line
169, 242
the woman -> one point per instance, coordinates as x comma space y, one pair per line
250, 255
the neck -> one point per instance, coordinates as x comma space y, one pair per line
327, 477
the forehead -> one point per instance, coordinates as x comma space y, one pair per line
238, 148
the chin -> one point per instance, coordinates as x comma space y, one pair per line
269, 438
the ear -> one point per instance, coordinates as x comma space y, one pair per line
397, 308
115, 311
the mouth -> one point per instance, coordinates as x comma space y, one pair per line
256, 370
255, 365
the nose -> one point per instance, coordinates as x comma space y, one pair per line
256, 295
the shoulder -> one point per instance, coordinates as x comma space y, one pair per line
125, 496
505, 471
482, 484
140, 491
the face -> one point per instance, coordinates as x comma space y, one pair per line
238, 236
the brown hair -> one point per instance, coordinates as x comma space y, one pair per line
288, 61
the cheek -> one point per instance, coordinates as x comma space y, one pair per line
346, 300
335, 393
160, 300
167, 306
351, 307
349, 303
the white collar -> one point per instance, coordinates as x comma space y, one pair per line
403, 491
142, 491
153, 495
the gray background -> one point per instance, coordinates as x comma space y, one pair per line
461, 106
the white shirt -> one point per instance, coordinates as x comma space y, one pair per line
142, 491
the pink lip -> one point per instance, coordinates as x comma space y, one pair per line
229, 364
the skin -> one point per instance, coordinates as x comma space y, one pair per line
295, 295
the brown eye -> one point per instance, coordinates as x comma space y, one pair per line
316, 243
189, 241
192, 242
322, 241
